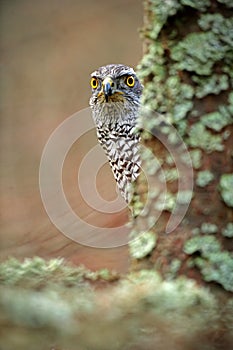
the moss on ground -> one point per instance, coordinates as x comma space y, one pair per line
40, 310
34, 273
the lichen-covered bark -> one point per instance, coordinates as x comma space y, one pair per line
188, 78
50, 305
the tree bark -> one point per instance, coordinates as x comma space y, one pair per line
187, 74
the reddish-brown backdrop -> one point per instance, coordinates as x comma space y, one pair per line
48, 50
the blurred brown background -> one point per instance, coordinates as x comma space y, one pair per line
48, 50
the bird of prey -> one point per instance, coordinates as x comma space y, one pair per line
115, 103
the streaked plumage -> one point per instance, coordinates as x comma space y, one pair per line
115, 102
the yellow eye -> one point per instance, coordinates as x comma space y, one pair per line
94, 83
130, 81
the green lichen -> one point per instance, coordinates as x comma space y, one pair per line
173, 137
169, 160
220, 26
204, 178
166, 93
40, 272
226, 189
151, 164
226, 134
165, 202
210, 85
207, 228
190, 56
230, 100
217, 39
228, 230
214, 264
216, 120
142, 245
169, 175
196, 231
217, 268
182, 94
136, 313
184, 196
179, 71
205, 244
196, 156
161, 11
186, 159
228, 3
182, 127
200, 137
138, 206
173, 296
200, 5
104, 274
153, 193
173, 269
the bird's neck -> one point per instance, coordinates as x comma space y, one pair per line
111, 114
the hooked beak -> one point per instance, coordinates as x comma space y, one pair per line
107, 88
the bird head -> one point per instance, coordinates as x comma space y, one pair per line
115, 83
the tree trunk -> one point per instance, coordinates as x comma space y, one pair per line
187, 74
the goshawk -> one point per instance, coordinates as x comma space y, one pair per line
115, 103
